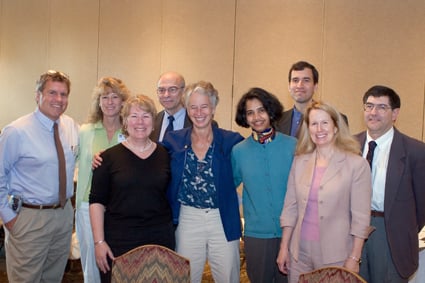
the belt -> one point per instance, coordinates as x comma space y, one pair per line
375, 213
41, 206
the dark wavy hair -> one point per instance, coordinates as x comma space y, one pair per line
301, 65
380, 90
270, 103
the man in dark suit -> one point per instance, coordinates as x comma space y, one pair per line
170, 94
303, 82
398, 199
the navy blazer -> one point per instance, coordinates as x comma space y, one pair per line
404, 202
178, 143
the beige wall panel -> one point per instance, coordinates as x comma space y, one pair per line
72, 48
23, 55
197, 41
234, 44
270, 36
382, 42
129, 43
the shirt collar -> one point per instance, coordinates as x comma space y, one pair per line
382, 139
44, 120
177, 115
296, 113
98, 125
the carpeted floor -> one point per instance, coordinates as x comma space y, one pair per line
73, 272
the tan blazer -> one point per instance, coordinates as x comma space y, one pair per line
344, 203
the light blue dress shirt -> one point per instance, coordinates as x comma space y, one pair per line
178, 123
295, 122
29, 166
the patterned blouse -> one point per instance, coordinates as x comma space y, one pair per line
197, 188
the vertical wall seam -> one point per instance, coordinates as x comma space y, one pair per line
423, 116
49, 34
233, 64
98, 38
1, 27
161, 39
323, 45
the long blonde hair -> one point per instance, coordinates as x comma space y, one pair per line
343, 140
117, 87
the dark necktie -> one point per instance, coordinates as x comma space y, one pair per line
369, 156
170, 126
62, 168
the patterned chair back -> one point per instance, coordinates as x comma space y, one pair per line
151, 263
332, 274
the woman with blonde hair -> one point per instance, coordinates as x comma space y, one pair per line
102, 131
326, 212
128, 202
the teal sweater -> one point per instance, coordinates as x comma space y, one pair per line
263, 169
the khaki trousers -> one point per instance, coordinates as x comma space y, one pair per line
37, 247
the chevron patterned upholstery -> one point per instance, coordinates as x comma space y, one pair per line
150, 264
332, 274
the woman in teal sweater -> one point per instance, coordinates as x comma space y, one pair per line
262, 163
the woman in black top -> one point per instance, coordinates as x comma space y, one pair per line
128, 204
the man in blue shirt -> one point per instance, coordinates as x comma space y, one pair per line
170, 95
38, 227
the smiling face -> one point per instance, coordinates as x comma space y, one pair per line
321, 128
139, 123
256, 116
170, 92
379, 122
302, 86
200, 110
110, 103
52, 101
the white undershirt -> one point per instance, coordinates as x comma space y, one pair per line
379, 167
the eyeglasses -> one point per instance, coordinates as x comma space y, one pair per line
380, 108
171, 90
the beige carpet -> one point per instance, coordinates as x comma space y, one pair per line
73, 272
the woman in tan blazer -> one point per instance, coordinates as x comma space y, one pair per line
326, 213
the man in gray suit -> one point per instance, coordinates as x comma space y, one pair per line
398, 199
303, 80
170, 92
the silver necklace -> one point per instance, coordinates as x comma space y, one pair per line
147, 146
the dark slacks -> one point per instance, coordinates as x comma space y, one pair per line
377, 265
159, 235
260, 255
